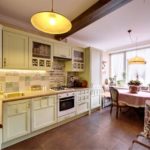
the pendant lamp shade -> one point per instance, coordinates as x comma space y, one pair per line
51, 22
137, 60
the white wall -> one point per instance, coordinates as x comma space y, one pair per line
105, 66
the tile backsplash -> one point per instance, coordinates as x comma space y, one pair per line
12, 81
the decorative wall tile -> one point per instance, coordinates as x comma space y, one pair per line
20, 81
2, 78
12, 87
27, 78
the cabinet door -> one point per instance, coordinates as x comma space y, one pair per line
95, 98
40, 54
78, 60
83, 101
43, 112
62, 50
95, 101
16, 118
83, 107
95, 71
15, 50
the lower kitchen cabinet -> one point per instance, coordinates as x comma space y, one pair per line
16, 119
83, 101
43, 112
95, 98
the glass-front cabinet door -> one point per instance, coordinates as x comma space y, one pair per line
77, 64
78, 59
40, 52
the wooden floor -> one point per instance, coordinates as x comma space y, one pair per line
99, 131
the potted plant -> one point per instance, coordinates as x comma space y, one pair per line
134, 86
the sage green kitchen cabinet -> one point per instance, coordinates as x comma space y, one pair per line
62, 50
15, 50
40, 53
77, 64
43, 112
16, 119
92, 75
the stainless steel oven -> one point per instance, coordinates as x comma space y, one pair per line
66, 104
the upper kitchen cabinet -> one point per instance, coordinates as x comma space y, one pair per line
78, 60
62, 50
15, 50
40, 54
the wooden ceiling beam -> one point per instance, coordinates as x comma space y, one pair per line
95, 12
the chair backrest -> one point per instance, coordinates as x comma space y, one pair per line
105, 88
147, 119
114, 95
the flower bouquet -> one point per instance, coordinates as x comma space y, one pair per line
134, 86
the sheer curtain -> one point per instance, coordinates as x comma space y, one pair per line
117, 66
131, 70
140, 70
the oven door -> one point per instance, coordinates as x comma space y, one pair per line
66, 105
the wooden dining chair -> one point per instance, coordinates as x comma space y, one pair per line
106, 99
143, 139
115, 102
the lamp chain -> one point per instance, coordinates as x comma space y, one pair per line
52, 6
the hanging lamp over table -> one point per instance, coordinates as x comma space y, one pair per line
51, 22
136, 59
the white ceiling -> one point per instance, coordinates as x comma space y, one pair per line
20, 11
108, 33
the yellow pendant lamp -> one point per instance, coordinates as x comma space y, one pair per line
51, 22
136, 59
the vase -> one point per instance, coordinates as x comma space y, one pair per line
134, 88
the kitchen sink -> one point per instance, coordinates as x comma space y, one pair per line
13, 94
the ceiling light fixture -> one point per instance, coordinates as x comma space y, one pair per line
136, 59
51, 22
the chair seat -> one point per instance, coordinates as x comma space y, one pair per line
120, 104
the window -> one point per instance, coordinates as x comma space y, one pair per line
117, 66
142, 72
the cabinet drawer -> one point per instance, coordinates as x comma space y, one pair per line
86, 97
66, 116
44, 102
13, 109
22, 108
51, 100
82, 92
36, 104
86, 91
83, 108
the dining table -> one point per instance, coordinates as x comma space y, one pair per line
136, 100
